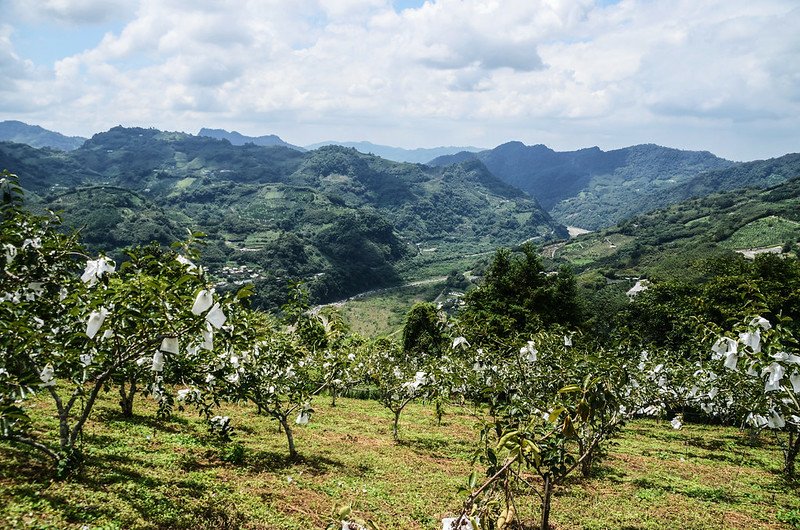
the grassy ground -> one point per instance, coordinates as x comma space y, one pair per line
590, 248
764, 232
142, 474
384, 313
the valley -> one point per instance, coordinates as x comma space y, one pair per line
351, 224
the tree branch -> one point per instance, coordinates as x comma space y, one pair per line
32, 443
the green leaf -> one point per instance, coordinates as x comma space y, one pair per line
506, 438
491, 456
246, 291
555, 414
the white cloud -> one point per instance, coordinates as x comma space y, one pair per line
70, 11
567, 72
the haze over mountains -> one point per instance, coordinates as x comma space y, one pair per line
35, 136
398, 154
236, 138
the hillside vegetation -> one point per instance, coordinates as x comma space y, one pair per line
150, 475
657, 243
341, 220
591, 188
518, 405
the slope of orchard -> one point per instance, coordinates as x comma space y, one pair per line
147, 474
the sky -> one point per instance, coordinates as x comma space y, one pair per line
716, 75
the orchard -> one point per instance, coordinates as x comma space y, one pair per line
549, 399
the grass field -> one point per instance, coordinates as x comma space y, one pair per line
384, 313
764, 232
590, 248
145, 474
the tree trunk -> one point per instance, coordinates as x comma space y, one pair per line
790, 454
333, 397
395, 435
546, 498
126, 398
586, 463
63, 430
289, 437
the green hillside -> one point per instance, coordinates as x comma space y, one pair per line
342, 221
111, 218
757, 174
662, 242
44, 171
591, 188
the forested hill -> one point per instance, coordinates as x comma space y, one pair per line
666, 242
591, 188
35, 136
339, 219
757, 174
44, 171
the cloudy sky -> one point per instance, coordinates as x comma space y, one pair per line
717, 75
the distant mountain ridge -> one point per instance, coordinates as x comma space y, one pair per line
755, 174
235, 138
592, 188
420, 155
36, 136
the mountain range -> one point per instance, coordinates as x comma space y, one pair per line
591, 188
665, 242
235, 138
398, 154
346, 221
343, 220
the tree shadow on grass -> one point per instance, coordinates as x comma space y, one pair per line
97, 490
434, 447
275, 461
708, 445
107, 470
160, 501
38, 494
606, 472
173, 424
717, 495
76, 499
25, 463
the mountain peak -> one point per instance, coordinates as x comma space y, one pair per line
418, 155
236, 138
